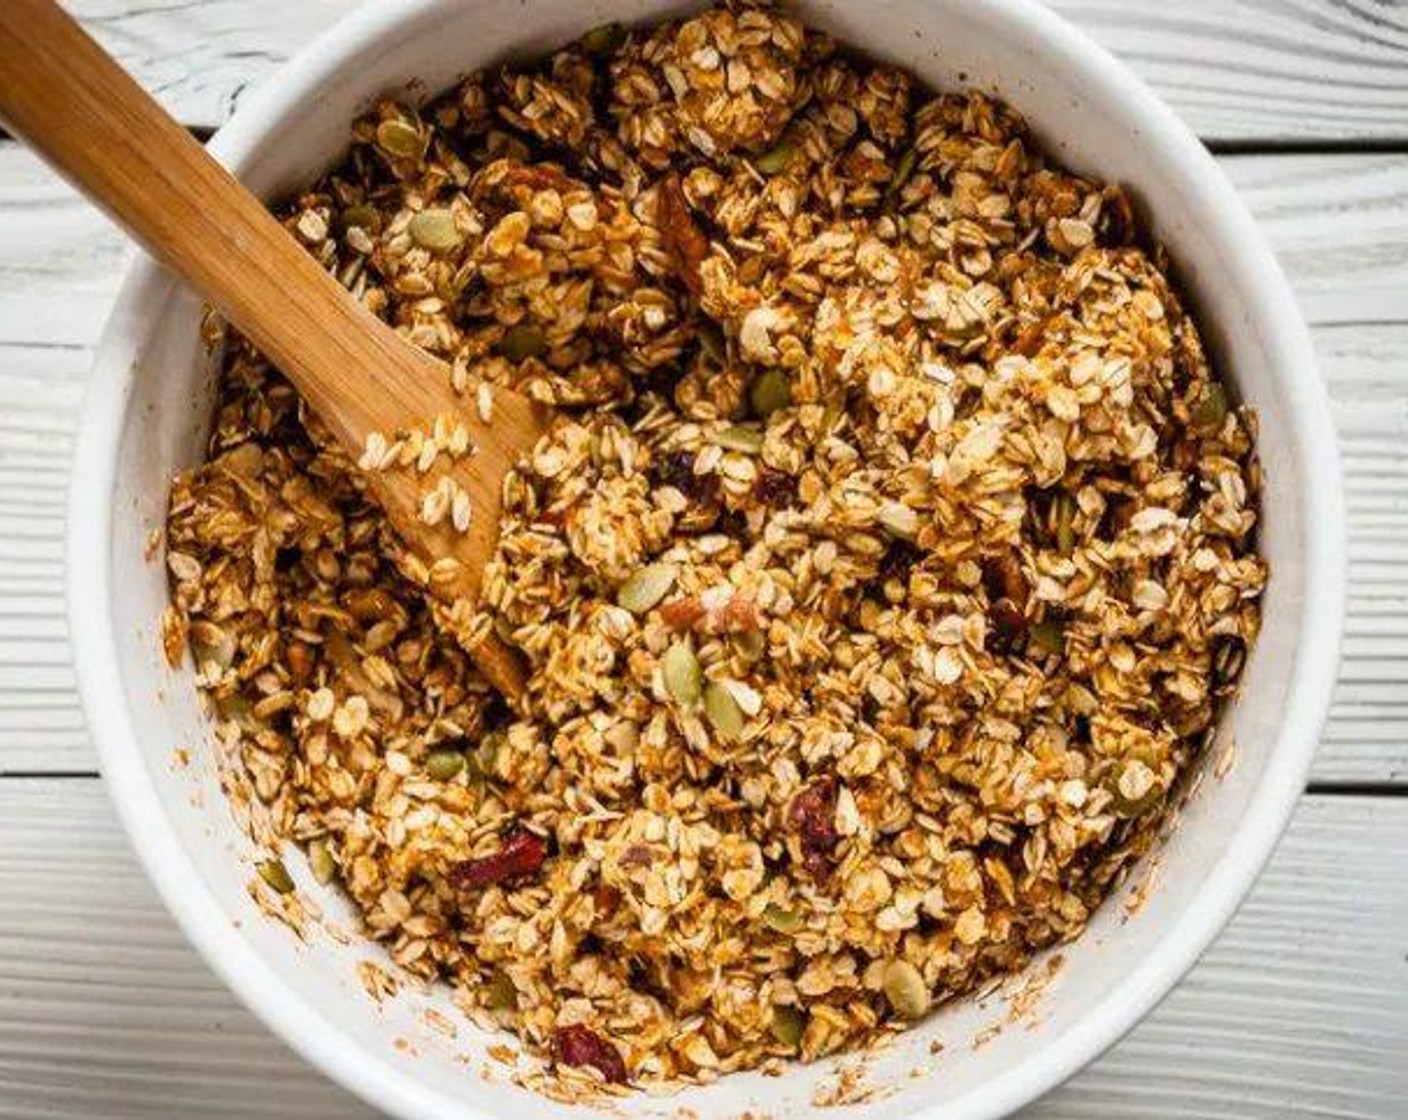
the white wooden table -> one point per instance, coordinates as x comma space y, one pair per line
1300, 1009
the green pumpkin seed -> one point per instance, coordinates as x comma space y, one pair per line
273, 872
739, 438
399, 138
683, 678
788, 1024
503, 995
604, 40
775, 159
444, 764
362, 216
723, 711
321, 862
780, 920
769, 392
1048, 635
646, 587
523, 341
711, 342
1210, 410
906, 990
903, 170
434, 229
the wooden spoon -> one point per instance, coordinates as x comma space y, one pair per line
65, 97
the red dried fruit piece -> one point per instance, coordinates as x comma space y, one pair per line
813, 815
605, 898
581, 1046
683, 239
774, 488
522, 853
1006, 625
1003, 579
1008, 592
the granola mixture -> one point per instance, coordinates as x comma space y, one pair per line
881, 577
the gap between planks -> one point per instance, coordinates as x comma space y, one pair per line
1297, 1008
1238, 71
1339, 223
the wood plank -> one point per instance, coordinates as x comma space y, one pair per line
1238, 71
1295, 1010
1340, 224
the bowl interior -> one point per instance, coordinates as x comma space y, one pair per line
155, 394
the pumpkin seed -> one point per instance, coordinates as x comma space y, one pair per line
1211, 408
273, 872
903, 170
362, 216
769, 392
1065, 515
711, 342
788, 1023
434, 229
780, 920
503, 995
646, 587
1048, 635
399, 138
906, 990
444, 764
604, 40
739, 438
523, 341
776, 158
723, 711
320, 861
683, 678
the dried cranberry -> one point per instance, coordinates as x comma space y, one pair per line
522, 853
581, 1046
775, 488
677, 469
1003, 579
813, 815
1006, 625
606, 899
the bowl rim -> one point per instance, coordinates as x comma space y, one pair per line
376, 1080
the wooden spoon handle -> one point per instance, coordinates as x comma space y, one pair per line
66, 98
63, 95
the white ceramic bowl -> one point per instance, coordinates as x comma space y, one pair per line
147, 414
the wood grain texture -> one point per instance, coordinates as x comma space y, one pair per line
1339, 223
1298, 1008
1237, 70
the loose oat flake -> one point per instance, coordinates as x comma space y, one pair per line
884, 570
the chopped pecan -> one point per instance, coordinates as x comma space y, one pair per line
716, 611
683, 238
522, 853
581, 1046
